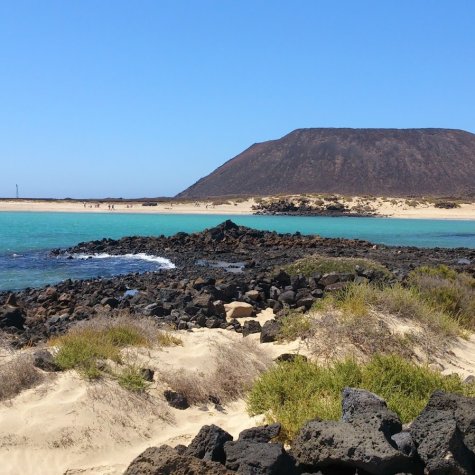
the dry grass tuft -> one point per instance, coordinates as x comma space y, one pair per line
17, 375
235, 366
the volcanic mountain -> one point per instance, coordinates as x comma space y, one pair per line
391, 162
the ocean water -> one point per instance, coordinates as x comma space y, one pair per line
26, 239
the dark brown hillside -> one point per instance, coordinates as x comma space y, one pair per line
397, 162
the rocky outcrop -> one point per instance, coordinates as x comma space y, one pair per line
444, 434
192, 295
209, 444
166, 460
367, 440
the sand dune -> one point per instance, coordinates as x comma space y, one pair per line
69, 425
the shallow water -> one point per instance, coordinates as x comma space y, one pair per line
26, 238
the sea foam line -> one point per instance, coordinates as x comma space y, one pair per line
165, 263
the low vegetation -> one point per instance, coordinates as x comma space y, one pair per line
88, 347
317, 264
295, 392
406, 303
131, 378
16, 375
450, 291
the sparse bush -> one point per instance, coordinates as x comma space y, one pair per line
296, 392
315, 264
17, 375
405, 303
447, 290
340, 335
446, 205
295, 325
235, 366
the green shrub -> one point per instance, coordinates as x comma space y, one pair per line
103, 339
316, 264
296, 392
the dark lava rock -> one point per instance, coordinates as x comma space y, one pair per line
147, 374
270, 331
444, 434
405, 444
44, 360
321, 444
11, 316
251, 326
176, 400
290, 358
287, 297
166, 460
262, 434
208, 444
361, 407
255, 458
111, 301
329, 279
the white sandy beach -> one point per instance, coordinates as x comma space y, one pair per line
387, 207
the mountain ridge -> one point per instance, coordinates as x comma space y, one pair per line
399, 162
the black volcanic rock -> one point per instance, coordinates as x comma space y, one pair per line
397, 162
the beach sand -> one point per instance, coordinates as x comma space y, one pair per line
68, 425
385, 207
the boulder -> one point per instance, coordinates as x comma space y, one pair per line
270, 331
147, 374
321, 444
44, 360
238, 310
261, 434
256, 458
251, 326
208, 444
166, 460
176, 400
287, 297
444, 434
361, 407
329, 279
111, 301
11, 316
252, 294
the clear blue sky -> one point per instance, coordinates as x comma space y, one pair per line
142, 98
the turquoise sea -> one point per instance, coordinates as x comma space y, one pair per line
27, 237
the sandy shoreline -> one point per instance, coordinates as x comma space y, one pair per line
382, 207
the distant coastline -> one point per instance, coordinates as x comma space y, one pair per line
415, 208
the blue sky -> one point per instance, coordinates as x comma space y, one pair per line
142, 98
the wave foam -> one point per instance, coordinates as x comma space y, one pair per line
164, 263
